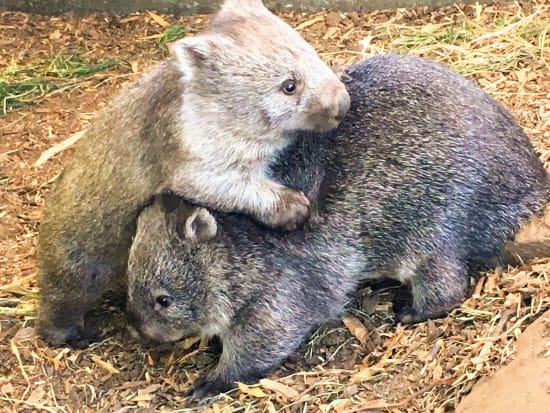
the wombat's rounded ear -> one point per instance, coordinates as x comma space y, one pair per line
199, 226
191, 51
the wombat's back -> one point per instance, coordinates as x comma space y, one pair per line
432, 176
432, 162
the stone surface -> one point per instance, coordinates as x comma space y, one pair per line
522, 386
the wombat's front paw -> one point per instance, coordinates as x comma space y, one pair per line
290, 212
74, 335
206, 390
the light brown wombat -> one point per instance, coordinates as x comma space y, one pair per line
424, 182
204, 124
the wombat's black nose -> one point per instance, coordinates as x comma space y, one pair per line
343, 107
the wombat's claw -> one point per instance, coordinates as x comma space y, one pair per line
291, 212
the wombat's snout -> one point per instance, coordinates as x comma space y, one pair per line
135, 328
338, 104
329, 112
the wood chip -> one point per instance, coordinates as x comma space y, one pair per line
158, 19
310, 22
357, 328
253, 391
280, 388
60, 147
105, 365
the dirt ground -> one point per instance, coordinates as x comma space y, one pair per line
370, 363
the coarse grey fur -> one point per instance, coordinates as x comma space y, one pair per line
424, 182
204, 124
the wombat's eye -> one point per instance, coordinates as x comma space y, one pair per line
164, 301
289, 87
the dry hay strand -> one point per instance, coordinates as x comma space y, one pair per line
370, 363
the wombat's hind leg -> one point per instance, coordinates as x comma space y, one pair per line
438, 286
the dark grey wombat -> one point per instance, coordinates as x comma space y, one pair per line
424, 182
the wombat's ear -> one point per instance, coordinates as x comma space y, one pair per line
192, 51
199, 225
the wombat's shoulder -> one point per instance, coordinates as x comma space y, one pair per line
384, 68
161, 84
416, 80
